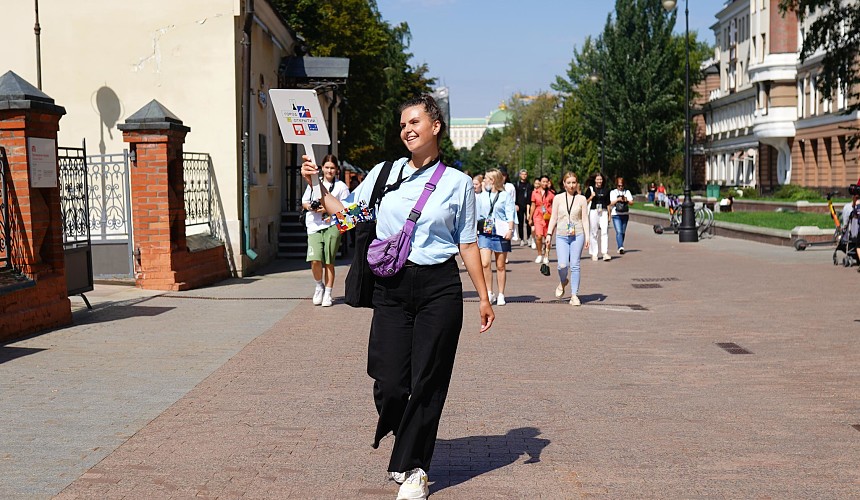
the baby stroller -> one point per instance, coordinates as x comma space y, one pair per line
849, 240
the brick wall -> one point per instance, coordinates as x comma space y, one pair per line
36, 228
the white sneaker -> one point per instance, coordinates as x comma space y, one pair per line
539, 259
318, 296
594, 257
621, 250
397, 477
491, 296
415, 487
606, 256
500, 299
532, 243
574, 301
506, 260
326, 300
546, 260
559, 290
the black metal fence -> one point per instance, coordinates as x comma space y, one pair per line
198, 189
5, 221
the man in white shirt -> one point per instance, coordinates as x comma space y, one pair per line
323, 235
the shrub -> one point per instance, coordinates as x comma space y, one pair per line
795, 193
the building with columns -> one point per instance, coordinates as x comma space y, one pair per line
465, 132
767, 124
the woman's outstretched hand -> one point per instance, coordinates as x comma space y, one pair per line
309, 170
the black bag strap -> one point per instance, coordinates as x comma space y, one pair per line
379, 185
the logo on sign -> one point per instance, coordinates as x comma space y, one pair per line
313, 127
303, 112
299, 129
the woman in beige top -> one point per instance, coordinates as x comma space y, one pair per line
570, 216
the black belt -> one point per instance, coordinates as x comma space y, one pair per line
409, 263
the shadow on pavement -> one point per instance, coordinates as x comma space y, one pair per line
459, 460
592, 297
9, 353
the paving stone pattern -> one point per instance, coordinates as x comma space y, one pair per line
628, 396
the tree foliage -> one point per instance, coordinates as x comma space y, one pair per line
834, 33
629, 81
380, 77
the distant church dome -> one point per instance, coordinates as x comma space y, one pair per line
500, 117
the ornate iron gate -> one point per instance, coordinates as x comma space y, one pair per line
74, 206
110, 215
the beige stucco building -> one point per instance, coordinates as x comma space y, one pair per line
103, 60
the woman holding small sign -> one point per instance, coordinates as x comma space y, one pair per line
418, 307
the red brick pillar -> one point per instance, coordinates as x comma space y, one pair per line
155, 136
26, 113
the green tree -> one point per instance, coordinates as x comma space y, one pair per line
834, 32
380, 75
638, 92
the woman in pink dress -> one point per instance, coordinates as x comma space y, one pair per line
541, 211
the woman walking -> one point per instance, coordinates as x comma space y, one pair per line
323, 236
496, 216
598, 216
570, 218
541, 211
620, 200
418, 312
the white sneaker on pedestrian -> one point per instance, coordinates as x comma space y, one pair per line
326, 300
491, 296
318, 296
500, 299
532, 243
606, 256
539, 259
415, 486
574, 301
545, 260
559, 290
397, 477
594, 256
621, 250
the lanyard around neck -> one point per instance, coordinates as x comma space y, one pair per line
569, 206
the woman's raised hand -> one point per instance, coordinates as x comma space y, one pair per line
309, 170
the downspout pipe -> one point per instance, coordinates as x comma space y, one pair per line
246, 130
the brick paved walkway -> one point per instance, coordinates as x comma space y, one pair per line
626, 396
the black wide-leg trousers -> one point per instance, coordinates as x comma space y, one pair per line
417, 318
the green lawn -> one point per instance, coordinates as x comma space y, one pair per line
774, 220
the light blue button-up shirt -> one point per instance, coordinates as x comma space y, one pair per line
504, 210
448, 218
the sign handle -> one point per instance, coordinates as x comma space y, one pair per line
316, 192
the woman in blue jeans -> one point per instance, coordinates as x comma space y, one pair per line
620, 218
570, 216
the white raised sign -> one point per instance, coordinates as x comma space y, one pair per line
301, 121
42, 154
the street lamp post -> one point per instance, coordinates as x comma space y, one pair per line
594, 79
687, 231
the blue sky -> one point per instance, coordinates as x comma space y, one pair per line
486, 50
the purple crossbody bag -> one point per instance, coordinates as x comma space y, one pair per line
387, 257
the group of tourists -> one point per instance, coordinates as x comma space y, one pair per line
418, 307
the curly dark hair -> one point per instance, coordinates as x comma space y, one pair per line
430, 106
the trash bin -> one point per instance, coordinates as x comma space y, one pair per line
713, 191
